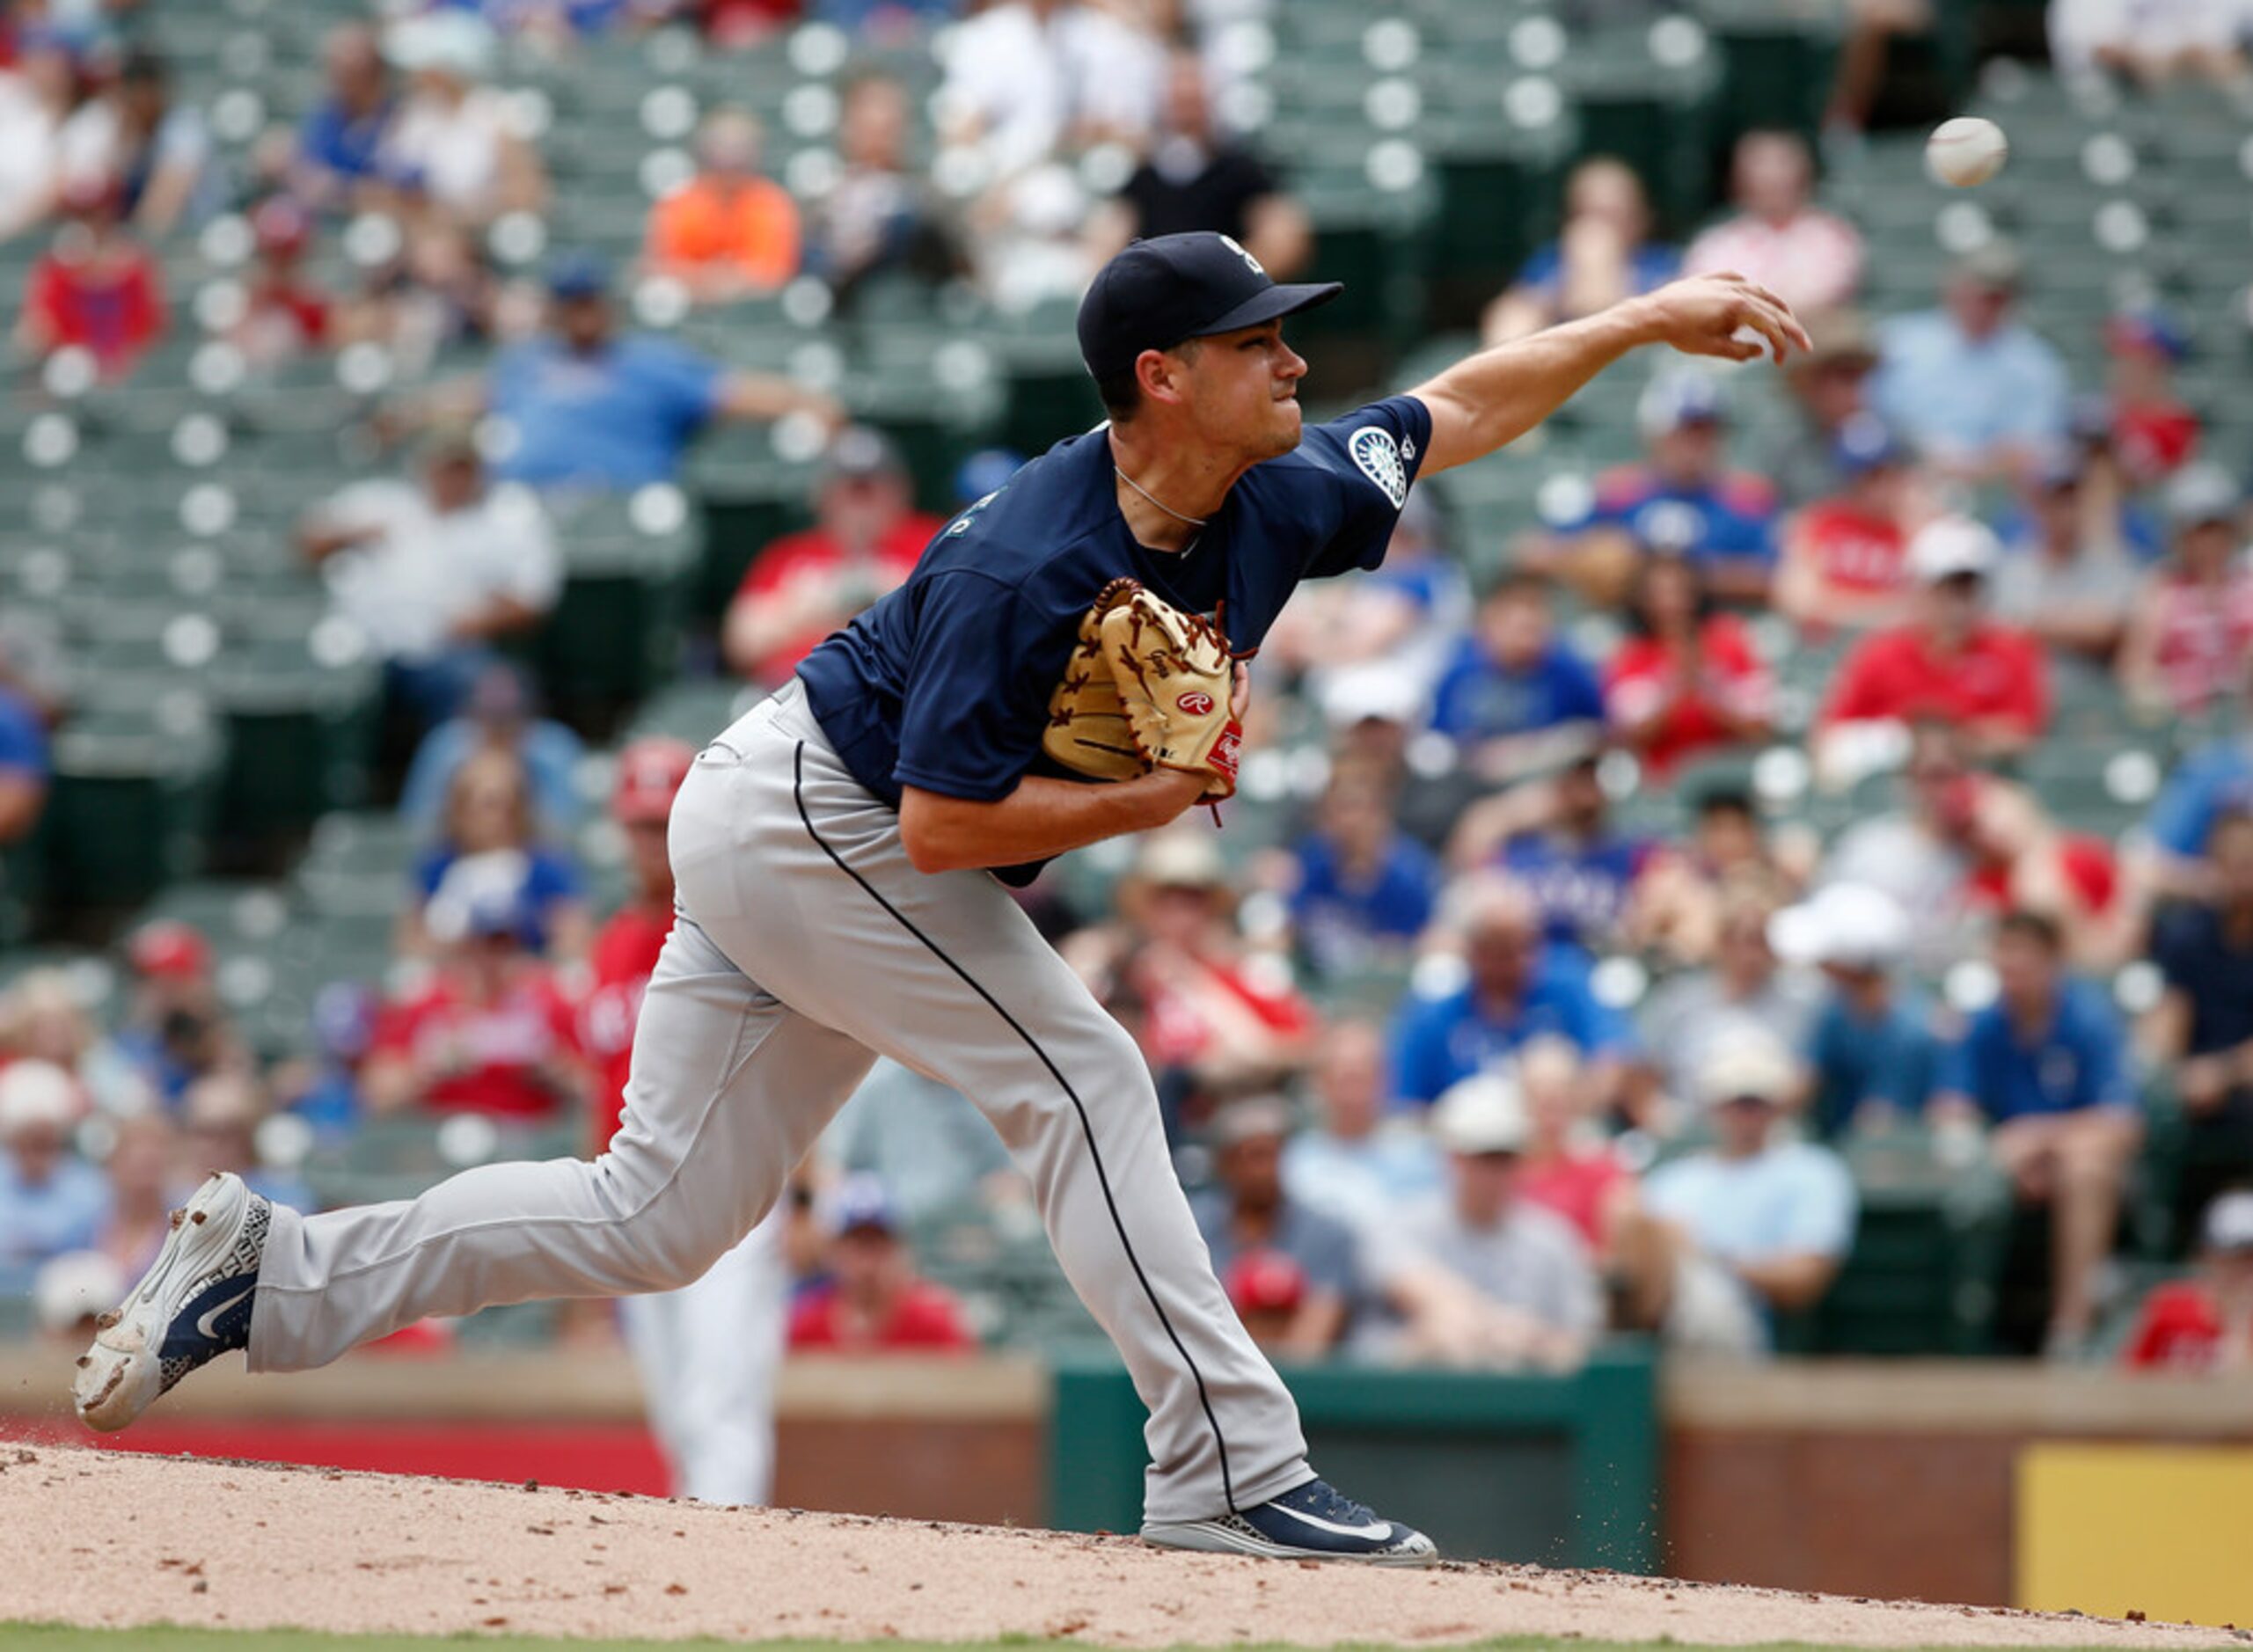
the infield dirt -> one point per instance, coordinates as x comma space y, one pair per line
114, 1539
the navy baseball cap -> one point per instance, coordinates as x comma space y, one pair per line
1170, 288
578, 276
1865, 443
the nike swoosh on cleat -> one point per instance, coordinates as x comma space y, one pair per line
1376, 1533
203, 1325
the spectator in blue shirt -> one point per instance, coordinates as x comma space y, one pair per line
1872, 1056
501, 713
342, 136
51, 1201
1520, 987
1362, 889
491, 842
1979, 393
25, 768
1555, 839
2045, 1066
1683, 498
2213, 781
1758, 1223
586, 409
1515, 699
1603, 253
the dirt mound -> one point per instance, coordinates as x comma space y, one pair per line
98, 1537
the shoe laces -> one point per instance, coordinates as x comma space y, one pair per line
1325, 1501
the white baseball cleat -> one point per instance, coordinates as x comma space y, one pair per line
192, 1306
1309, 1523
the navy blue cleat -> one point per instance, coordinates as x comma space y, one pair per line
1309, 1523
192, 1306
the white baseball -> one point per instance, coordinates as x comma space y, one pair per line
1965, 151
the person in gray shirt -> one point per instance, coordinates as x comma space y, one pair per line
1481, 1277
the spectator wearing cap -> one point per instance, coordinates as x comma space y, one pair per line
96, 288
323, 1089
866, 538
434, 570
1846, 555
1223, 1018
1756, 1225
1357, 1161
1555, 839
1696, 1011
1950, 661
625, 953
1777, 236
873, 1301
880, 216
2201, 1030
176, 1030
2154, 430
1194, 176
2191, 635
1687, 681
1248, 1214
157, 152
586, 409
1604, 252
489, 821
501, 713
2204, 1323
286, 312
1361, 890
51, 1201
338, 155
454, 144
1872, 1056
1800, 456
2070, 589
730, 231
491, 1030
1516, 699
1683, 498
1519, 987
2044, 1067
1483, 1276
1977, 392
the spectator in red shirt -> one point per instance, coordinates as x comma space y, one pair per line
2205, 1324
866, 537
2192, 632
1846, 557
1950, 663
285, 312
2022, 859
491, 1032
1687, 679
625, 955
2153, 431
873, 1302
1568, 1165
97, 288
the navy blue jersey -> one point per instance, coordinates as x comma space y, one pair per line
944, 684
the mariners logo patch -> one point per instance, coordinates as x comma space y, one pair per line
1379, 456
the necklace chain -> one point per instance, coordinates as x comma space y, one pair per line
1194, 521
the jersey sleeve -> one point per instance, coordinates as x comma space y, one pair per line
1357, 475
973, 701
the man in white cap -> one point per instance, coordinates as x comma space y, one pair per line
1950, 661
1480, 1275
1756, 1225
1871, 1053
51, 1201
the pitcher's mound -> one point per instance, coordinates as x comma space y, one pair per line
114, 1538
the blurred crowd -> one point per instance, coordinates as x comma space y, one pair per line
1465, 1064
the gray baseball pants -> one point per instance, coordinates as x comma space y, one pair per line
807, 944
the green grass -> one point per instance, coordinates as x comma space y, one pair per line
58, 1638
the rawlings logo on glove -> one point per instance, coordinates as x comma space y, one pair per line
1148, 687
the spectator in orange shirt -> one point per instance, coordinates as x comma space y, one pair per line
873, 1302
866, 537
729, 232
1846, 557
97, 288
1950, 661
2205, 1324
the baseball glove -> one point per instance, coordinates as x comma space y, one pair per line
1174, 675
1088, 730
